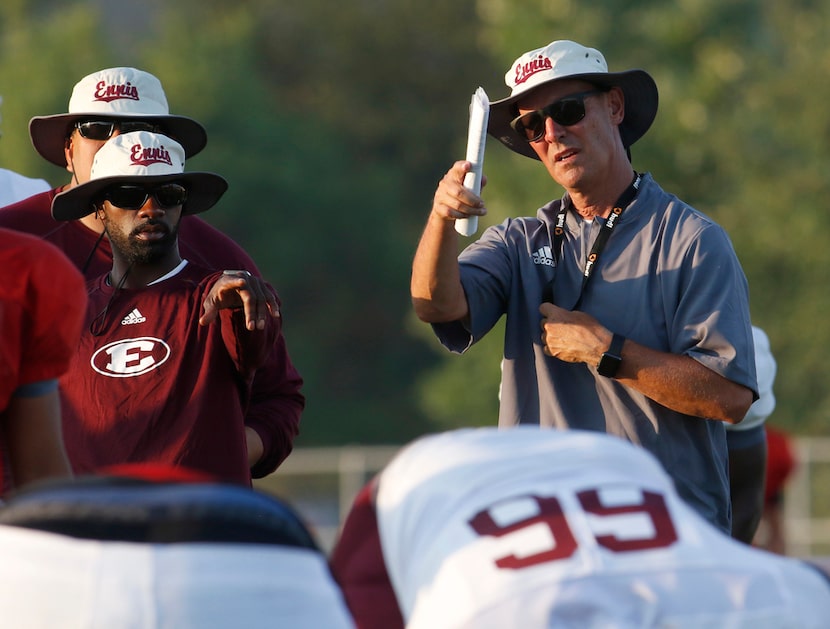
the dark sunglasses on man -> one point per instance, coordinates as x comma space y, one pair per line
133, 197
103, 129
566, 111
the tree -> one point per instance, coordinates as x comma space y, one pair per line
333, 124
43, 53
331, 149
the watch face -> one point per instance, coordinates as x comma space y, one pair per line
608, 365
610, 361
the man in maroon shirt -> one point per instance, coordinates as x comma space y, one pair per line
163, 369
105, 104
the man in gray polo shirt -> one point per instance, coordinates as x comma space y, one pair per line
627, 310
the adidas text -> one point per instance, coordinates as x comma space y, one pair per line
134, 317
543, 256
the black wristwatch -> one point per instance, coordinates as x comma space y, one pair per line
610, 361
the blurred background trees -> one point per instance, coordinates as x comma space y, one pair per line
334, 122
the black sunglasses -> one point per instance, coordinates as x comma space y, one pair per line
566, 112
103, 129
132, 197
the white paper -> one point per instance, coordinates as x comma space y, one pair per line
476, 138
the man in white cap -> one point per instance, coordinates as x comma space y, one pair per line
103, 105
14, 186
627, 310
480, 528
163, 369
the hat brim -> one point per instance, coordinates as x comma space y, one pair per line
203, 192
641, 99
49, 133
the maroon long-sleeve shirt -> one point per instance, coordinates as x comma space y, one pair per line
276, 400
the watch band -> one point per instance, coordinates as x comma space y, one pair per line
611, 359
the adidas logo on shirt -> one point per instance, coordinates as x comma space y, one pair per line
543, 256
134, 317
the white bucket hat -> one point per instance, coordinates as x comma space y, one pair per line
141, 158
114, 93
565, 59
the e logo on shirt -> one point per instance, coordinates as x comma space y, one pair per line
130, 357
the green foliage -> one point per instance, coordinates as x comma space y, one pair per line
329, 156
334, 122
40, 60
465, 392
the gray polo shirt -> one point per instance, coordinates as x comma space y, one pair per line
668, 279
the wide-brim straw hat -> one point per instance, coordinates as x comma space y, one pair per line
140, 158
114, 93
565, 59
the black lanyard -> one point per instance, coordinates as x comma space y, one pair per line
604, 234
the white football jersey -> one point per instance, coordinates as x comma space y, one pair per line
541, 528
49, 580
15, 187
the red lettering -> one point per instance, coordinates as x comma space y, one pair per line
652, 505
150, 155
527, 70
660, 533
109, 93
550, 514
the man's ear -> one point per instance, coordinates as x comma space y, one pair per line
616, 104
67, 154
